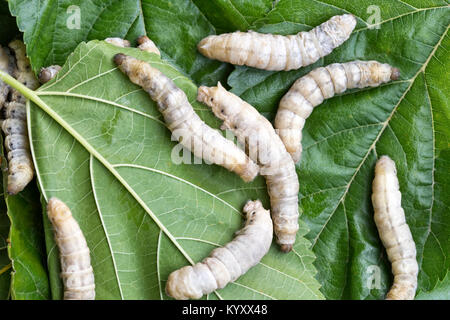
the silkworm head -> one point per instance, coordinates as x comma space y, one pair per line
142, 39
346, 21
250, 209
119, 58
254, 211
57, 210
45, 75
385, 164
395, 73
204, 45
219, 100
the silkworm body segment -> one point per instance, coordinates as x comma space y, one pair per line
226, 264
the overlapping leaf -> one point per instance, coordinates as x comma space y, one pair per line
101, 146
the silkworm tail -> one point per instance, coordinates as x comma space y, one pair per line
404, 288
247, 171
285, 231
182, 284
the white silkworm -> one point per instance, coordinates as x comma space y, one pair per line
276, 52
394, 231
6, 65
119, 42
227, 263
323, 83
23, 73
203, 141
265, 148
48, 73
145, 44
77, 272
20, 164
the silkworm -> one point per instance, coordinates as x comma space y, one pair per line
226, 264
394, 231
265, 148
119, 42
48, 73
23, 72
145, 44
77, 272
186, 126
20, 164
6, 65
323, 83
276, 52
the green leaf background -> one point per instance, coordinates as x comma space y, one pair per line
137, 238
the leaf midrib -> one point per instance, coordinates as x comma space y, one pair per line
53, 114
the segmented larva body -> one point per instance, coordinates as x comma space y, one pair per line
6, 65
48, 73
394, 231
23, 73
20, 164
118, 42
203, 141
145, 44
276, 52
265, 148
227, 263
323, 83
77, 273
